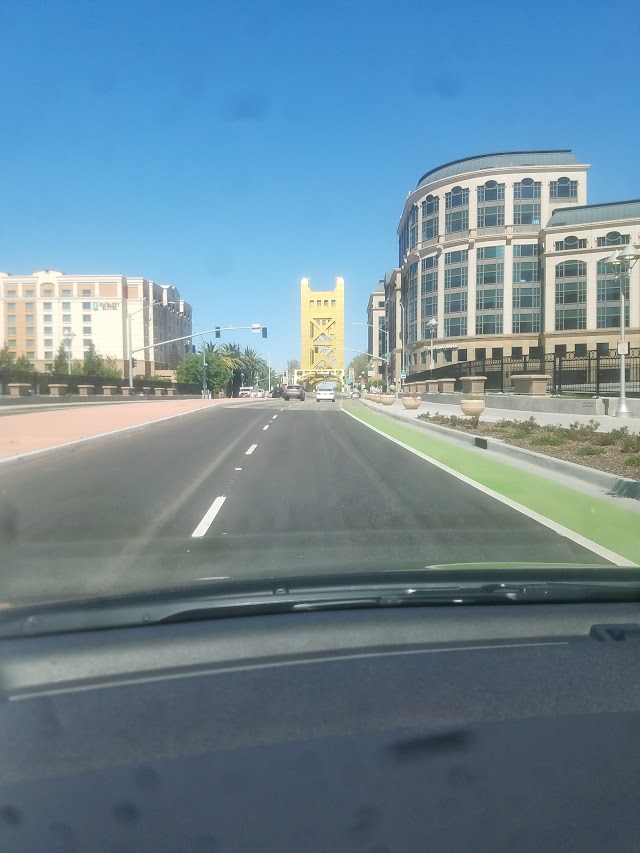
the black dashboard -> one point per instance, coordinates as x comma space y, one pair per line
498, 728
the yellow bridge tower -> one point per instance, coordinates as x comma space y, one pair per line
322, 334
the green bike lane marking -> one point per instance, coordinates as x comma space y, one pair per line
596, 521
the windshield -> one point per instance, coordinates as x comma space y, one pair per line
295, 293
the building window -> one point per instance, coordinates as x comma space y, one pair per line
47, 306
456, 221
11, 306
455, 327
490, 252
447, 356
571, 269
86, 330
580, 349
86, 306
326, 303
563, 188
570, 243
11, 330
31, 355
491, 191
30, 318
28, 306
66, 318
48, 330
454, 303
413, 227
31, 330
66, 292
12, 292
489, 324
456, 277
516, 352
491, 299
430, 210
525, 271
458, 197
480, 353
609, 290
11, 318
429, 275
87, 342
47, 318
49, 354
527, 188
525, 250
497, 352
608, 316
490, 273
571, 292
526, 214
571, 318
462, 355
48, 342
526, 323
86, 318
490, 216
429, 310
614, 238
526, 297
560, 349
87, 292
459, 257
47, 292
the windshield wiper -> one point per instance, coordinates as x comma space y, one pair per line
443, 586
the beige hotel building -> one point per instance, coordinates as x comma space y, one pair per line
42, 310
504, 253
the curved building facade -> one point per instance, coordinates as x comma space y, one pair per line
471, 247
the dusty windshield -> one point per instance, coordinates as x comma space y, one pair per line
211, 212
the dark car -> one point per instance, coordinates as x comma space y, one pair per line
276, 392
294, 392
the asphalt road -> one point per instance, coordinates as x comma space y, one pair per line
268, 488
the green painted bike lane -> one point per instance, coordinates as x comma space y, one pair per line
600, 521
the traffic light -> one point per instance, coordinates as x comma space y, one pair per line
217, 331
264, 331
134, 362
187, 348
193, 350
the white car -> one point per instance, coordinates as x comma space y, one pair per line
259, 392
326, 394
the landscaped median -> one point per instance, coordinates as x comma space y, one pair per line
600, 521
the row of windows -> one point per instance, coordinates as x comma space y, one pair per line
30, 292
313, 303
613, 238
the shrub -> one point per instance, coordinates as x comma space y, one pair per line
550, 440
587, 450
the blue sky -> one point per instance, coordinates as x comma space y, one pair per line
230, 148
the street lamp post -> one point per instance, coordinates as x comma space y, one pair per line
433, 325
628, 258
130, 332
387, 351
69, 335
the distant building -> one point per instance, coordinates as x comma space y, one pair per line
322, 331
377, 329
38, 312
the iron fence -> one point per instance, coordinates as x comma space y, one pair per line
594, 373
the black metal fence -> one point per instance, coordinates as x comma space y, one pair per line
40, 382
594, 373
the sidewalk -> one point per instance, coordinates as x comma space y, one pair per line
29, 432
607, 422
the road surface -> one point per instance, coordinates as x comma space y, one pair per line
247, 490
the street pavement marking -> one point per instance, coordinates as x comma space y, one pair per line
265, 427
250, 450
215, 578
237, 469
210, 514
274, 417
600, 550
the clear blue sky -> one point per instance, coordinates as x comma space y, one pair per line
230, 148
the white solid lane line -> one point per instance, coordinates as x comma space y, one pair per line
211, 513
274, 417
237, 469
265, 427
250, 450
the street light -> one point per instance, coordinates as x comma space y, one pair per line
433, 326
68, 334
387, 351
130, 331
627, 257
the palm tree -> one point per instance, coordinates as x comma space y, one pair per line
207, 347
231, 355
253, 365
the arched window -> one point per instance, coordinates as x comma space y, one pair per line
614, 238
491, 191
570, 244
563, 188
430, 208
458, 197
527, 188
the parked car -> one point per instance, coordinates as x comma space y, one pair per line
294, 392
355, 395
259, 392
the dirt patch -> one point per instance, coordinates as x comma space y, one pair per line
617, 452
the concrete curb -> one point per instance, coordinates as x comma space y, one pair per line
36, 455
610, 483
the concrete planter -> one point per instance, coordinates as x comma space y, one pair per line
19, 389
533, 384
159, 392
85, 390
473, 384
446, 386
127, 392
432, 386
109, 390
472, 408
171, 392
146, 390
58, 390
387, 399
411, 402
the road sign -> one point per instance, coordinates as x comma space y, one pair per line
403, 373
623, 347
371, 373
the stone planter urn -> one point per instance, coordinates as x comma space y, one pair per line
411, 401
387, 399
472, 408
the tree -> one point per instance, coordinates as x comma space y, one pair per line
232, 358
207, 347
110, 367
93, 362
23, 365
254, 366
7, 359
292, 365
189, 371
60, 362
360, 364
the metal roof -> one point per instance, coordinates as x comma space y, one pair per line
587, 213
561, 157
